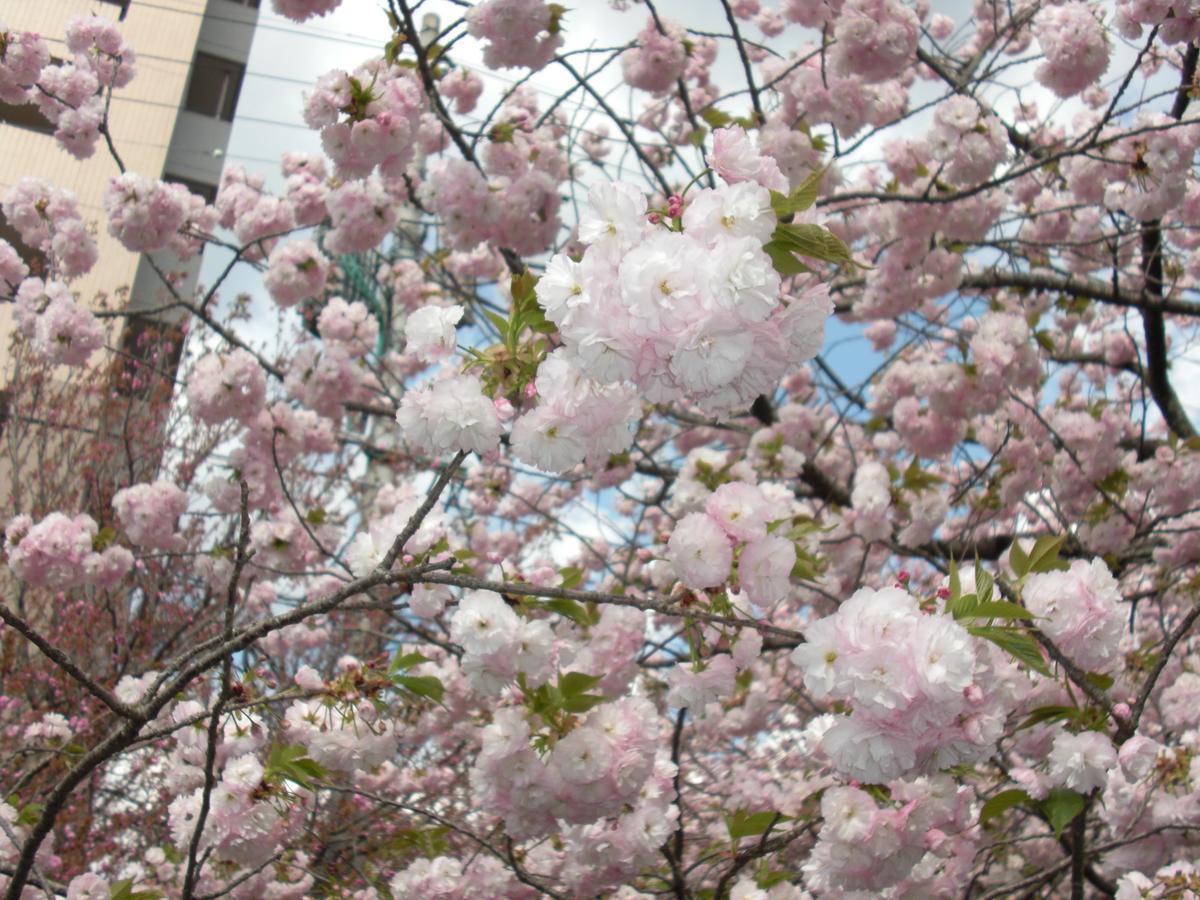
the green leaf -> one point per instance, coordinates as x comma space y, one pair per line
498, 320
983, 583
1061, 807
962, 606
716, 118
955, 582
123, 890
402, 661
917, 479
747, 824
1016, 644
1018, 559
393, 49
1045, 714
1100, 680
29, 813
572, 577
784, 261
805, 568
104, 538
1000, 803
766, 877
428, 842
801, 198
1044, 555
557, 12
422, 685
1000, 609
502, 133
581, 703
812, 241
315, 516
576, 612
577, 682
309, 768
291, 763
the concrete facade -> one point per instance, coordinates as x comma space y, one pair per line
101, 430
155, 135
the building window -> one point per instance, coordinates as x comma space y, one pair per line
26, 115
123, 4
207, 191
215, 86
253, 4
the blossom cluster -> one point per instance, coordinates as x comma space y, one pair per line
499, 644
736, 516
256, 218
305, 190
59, 552
1149, 175
519, 33
1079, 610
864, 847
917, 683
303, 10
244, 824
69, 94
371, 545
227, 386
1075, 45
1177, 22
47, 219
591, 773
576, 418
98, 46
148, 513
874, 39
1003, 250
604, 854
350, 326
513, 203
296, 270
146, 216
361, 213
429, 331
968, 141
451, 413
445, 877
657, 62
382, 104
25, 55
735, 158
693, 314
59, 329
341, 739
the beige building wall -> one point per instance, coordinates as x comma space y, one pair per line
142, 116
156, 137
153, 133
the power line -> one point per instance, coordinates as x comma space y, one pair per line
308, 31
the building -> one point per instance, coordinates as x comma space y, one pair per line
173, 121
